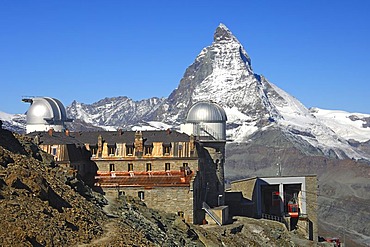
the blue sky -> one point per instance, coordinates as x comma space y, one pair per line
318, 51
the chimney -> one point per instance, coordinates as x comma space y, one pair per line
120, 132
168, 131
139, 145
67, 132
36, 140
50, 131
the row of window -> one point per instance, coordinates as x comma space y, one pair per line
130, 167
130, 150
147, 150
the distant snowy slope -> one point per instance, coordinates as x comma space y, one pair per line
13, 122
355, 126
300, 121
6, 116
151, 125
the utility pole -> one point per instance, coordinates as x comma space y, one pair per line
279, 171
344, 232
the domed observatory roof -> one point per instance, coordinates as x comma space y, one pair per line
207, 121
206, 112
45, 113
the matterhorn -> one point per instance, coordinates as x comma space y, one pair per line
223, 73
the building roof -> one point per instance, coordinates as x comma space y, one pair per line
129, 136
272, 177
54, 138
143, 179
206, 112
110, 137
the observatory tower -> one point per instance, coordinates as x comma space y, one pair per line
207, 122
45, 113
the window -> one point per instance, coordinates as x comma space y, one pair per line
186, 168
180, 150
111, 149
54, 151
148, 167
140, 194
180, 213
130, 167
112, 167
166, 149
167, 166
148, 150
129, 150
93, 149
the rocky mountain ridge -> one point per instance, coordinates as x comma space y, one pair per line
118, 111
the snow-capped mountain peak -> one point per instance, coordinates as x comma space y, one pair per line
222, 73
224, 35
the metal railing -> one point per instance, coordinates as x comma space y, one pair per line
211, 214
208, 131
273, 217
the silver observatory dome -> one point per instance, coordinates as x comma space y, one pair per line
207, 120
206, 112
45, 113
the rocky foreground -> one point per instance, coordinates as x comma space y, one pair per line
39, 202
42, 204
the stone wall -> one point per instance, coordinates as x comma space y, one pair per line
212, 173
311, 225
168, 199
215, 174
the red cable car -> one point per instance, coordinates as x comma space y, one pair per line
293, 208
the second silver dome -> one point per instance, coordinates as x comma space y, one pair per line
206, 112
